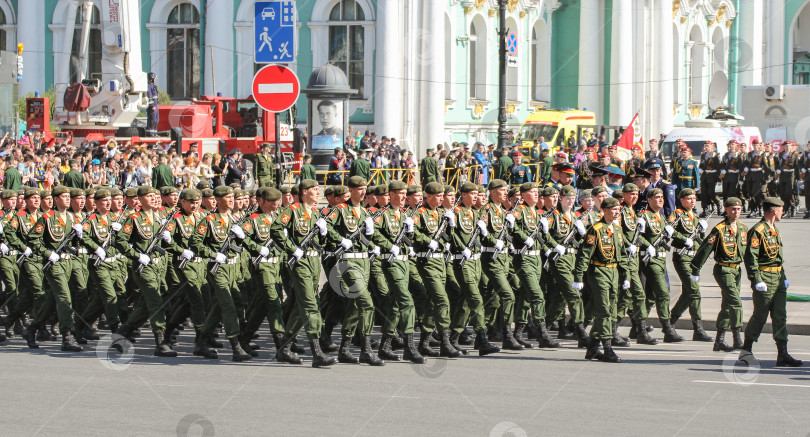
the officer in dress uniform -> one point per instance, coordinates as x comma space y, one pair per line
710, 167
152, 114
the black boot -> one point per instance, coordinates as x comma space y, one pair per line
618, 340
201, 349
125, 331
593, 350
161, 348
633, 330
466, 338
608, 355
326, 339
29, 335
239, 355
495, 334
283, 352
397, 342
720, 344
319, 359
446, 348
409, 352
563, 331
424, 345
807, 214
509, 341
367, 355
244, 341
783, 358
295, 347
484, 346
69, 343
699, 333
670, 335
43, 334
531, 330
79, 329
345, 353
738, 342
89, 334
454, 336
544, 339
582, 336
643, 336
385, 352
519, 336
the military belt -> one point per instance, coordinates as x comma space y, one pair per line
660, 255
355, 255
689, 253
311, 253
195, 259
13, 253
536, 252
231, 261
685, 177
608, 265
493, 250
711, 171
472, 257
756, 169
731, 265
570, 250
399, 258
775, 269
270, 260
733, 171
430, 255
65, 256
82, 251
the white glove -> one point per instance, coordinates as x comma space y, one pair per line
688, 242
578, 286
547, 253
116, 226
1, 228
787, 284
411, 253
144, 259
625, 284
467, 253
498, 245
669, 231
560, 249
745, 169
369, 226
376, 251
163, 222
642, 224
483, 227
321, 224
703, 225
722, 172
740, 183
651, 251
510, 219
27, 252
544, 224
220, 258
761, 286
408, 224
240, 234
694, 278
78, 228
778, 171
433, 245
346, 243
451, 218
580, 227
529, 242
166, 236
263, 252
632, 249
803, 171
298, 253
394, 250
3, 249
187, 254
100, 252
447, 247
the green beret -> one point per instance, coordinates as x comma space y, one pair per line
434, 188
370, 190
356, 181
598, 190
271, 194
191, 195
397, 185
306, 184
586, 194
57, 190
341, 190
482, 189
222, 191
167, 191
252, 193
329, 190
653, 192
770, 202
131, 192
513, 191
568, 190
236, 186
732, 201
144, 190
115, 192
617, 195
629, 188
686, 192
45, 193
72, 162
203, 185
31, 193
429, 149
527, 186
307, 157
413, 189
8, 194
208, 192
549, 191
609, 202
101, 193
449, 189
285, 189
90, 192
241, 193
76, 192
381, 190
294, 190
466, 187
496, 183
258, 192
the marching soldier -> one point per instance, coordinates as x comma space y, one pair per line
710, 167
265, 171
805, 175
733, 163
763, 262
787, 171
755, 176
30, 294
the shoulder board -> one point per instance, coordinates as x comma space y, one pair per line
488, 206
678, 211
759, 227
92, 217
521, 206
254, 215
136, 215
21, 213
210, 217
720, 226
178, 214
578, 214
458, 208
744, 226
295, 205
48, 214
556, 212
342, 205
422, 209
598, 226
162, 208
665, 181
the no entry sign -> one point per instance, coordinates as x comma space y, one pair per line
276, 88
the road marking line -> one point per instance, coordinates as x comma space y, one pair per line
275, 88
752, 383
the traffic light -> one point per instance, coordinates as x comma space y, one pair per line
19, 48
19, 62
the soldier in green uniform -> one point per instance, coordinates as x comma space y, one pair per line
264, 167
727, 241
332, 305
360, 166
421, 301
13, 179
79, 273
294, 224
30, 294
763, 262
429, 247
9, 249
73, 179
688, 231
162, 175
429, 169
307, 169
602, 263
710, 167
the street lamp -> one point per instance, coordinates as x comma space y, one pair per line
502, 74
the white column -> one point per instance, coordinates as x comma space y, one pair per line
31, 33
621, 64
220, 37
590, 56
749, 49
775, 43
430, 122
663, 68
390, 67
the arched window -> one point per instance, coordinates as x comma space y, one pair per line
3, 22
540, 69
93, 67
478, 59
183, 52
347, 42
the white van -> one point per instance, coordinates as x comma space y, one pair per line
697, 132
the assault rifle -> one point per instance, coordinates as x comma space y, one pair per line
64, 245
228, 243
154, 245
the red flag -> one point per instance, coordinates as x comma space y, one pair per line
630, 138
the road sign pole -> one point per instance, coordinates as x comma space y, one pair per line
502, 75
278, 149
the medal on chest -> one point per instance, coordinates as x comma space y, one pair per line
303, 221
431, 218
351, 217
466, 219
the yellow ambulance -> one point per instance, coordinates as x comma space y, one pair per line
554, 126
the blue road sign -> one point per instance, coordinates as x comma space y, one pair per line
274, 30
511, 43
